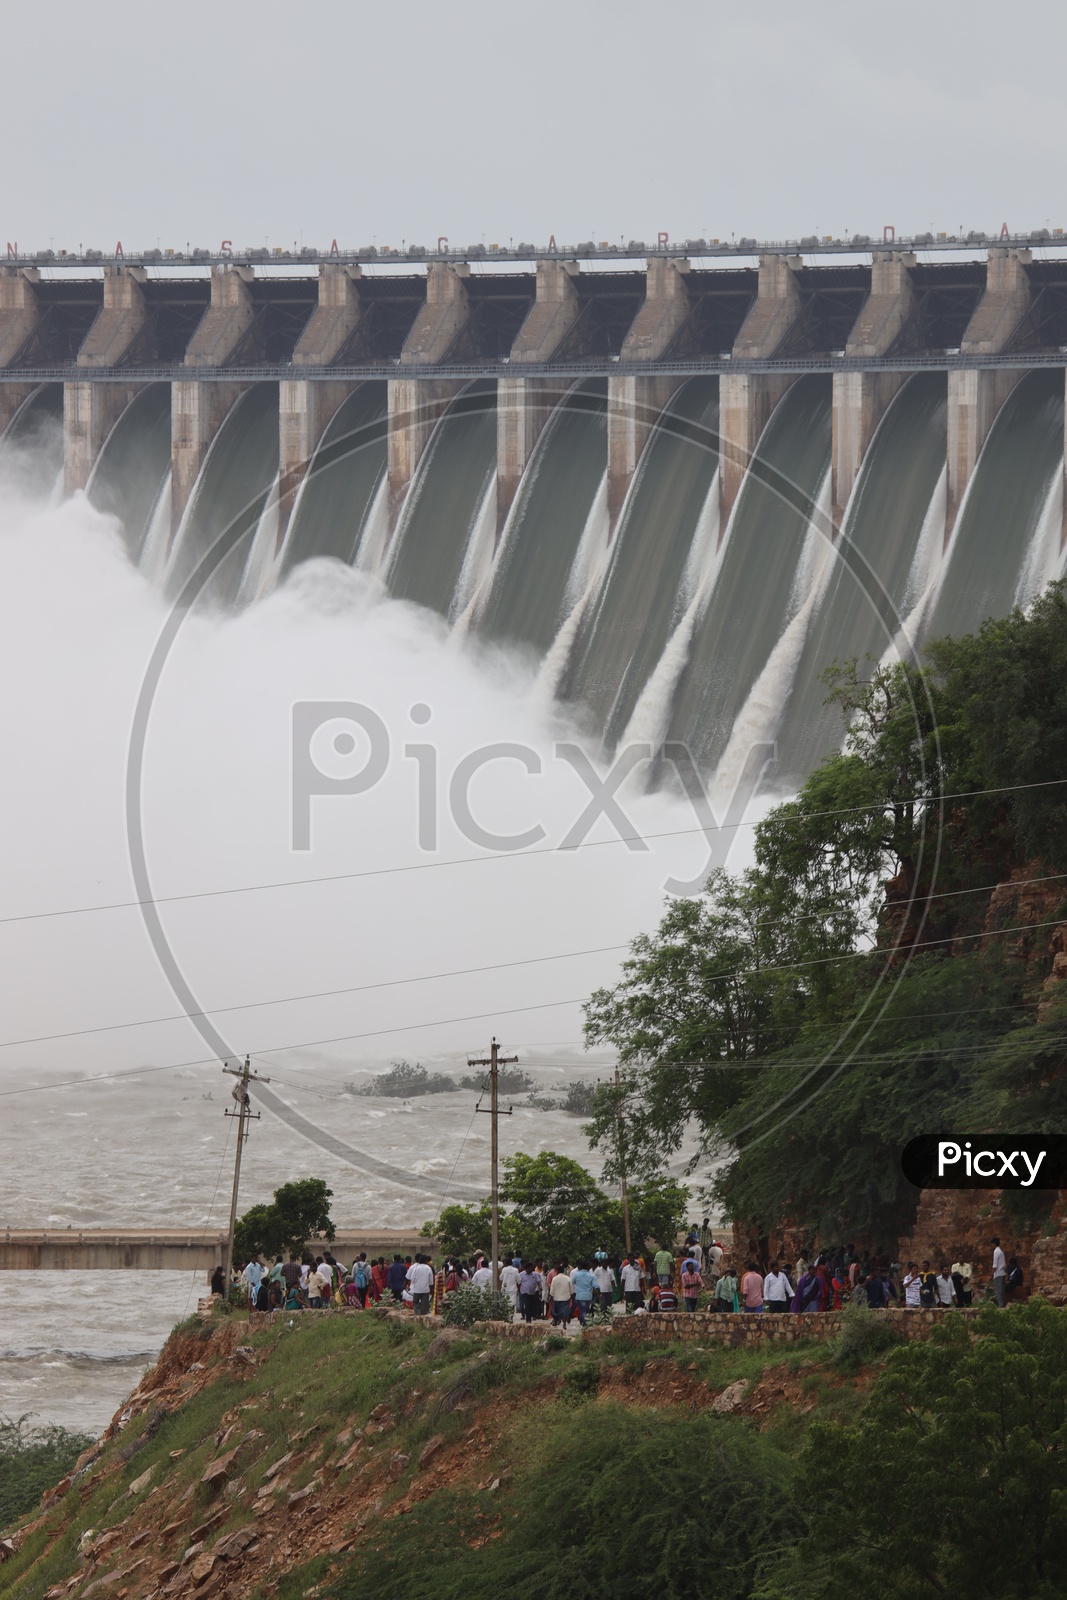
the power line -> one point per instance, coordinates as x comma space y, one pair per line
509, 855
300, 1044
549, 1005
295, 999
462, 972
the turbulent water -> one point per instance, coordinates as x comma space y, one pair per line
133, 464
427, 558
645, 630
73, 1344
230, 494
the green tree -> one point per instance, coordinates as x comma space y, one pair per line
1003, 713
553, 1209
702, 995
818, 1138
808, 1017
461, 1230
299, 1212
954, 1479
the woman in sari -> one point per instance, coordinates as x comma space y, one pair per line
809, 1292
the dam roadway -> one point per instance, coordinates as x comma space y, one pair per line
165, 1249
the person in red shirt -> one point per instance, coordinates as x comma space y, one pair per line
692, 1283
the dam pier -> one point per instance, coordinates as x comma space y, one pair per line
85, 338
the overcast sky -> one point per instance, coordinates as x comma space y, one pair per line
480, 119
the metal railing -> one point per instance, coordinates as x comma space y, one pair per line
607, 367
636, 249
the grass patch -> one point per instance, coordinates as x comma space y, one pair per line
495, 1367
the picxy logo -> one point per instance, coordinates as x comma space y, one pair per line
1032, 1161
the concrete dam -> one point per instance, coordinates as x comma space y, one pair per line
682, 482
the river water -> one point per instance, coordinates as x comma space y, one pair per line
73, 1344
158, 1152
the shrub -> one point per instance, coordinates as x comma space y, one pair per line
31, 1461
468, 1304
628, 1503
864, 1336
953, 1479
403, 1080
1027, 1208
510, 1080
580, 1098
581, 1382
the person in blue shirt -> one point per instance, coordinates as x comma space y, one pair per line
396, 1279
530, 1293
584, 1285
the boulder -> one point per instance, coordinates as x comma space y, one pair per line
731, 1397
220, 1468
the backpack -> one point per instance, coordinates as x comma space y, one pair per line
360, 1275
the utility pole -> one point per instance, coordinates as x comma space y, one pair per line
244, 1115
622, 1160
494, 1062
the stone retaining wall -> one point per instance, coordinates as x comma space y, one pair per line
736, 1328
727, 1329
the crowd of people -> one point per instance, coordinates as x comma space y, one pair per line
701, 1276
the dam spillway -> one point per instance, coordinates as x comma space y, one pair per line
682, 486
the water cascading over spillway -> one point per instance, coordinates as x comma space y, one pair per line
135, 459
345, 475
230, 494
1001, 512
627, 628
528, 589
666, 630
444, 503
755, 589
867, 589
33, 439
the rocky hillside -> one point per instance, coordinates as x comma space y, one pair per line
266, 1458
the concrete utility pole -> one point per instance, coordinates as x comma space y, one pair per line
244, 1115
494, 1062
622, 1160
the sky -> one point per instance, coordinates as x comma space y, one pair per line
490, 121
